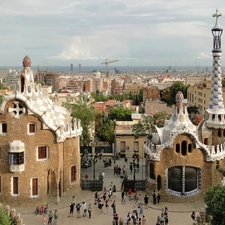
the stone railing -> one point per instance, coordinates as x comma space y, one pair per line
15, 217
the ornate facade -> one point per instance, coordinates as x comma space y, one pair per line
182, 159
39, 145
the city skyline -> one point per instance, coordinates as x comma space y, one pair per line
147, 33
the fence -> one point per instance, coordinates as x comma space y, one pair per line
92, 185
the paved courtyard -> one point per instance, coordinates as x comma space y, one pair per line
179, 214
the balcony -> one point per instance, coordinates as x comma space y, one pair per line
16, 168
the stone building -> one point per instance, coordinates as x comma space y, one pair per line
182, 159
39, 145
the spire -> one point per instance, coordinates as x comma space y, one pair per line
215, 114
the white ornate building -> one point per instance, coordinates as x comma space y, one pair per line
39, 145
182, 159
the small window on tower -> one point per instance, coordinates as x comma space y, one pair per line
3, 128
31, 128
42, 153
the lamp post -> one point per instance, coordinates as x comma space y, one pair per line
114, 145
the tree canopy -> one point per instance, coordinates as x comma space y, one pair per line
147, 124
168, 95
84, 111
120, 114
104, 128
215, 201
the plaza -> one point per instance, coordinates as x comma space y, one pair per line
179, 213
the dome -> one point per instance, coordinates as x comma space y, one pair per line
179, 96
26, 61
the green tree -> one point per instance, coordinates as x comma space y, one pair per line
84, 111
147, 124
4, 218
120, 114
104, 128
223, 83
169, 95
215, 201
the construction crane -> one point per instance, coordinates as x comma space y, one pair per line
106, 63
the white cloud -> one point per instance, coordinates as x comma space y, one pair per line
148, 31
203, 56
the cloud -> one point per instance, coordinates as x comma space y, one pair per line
203, 56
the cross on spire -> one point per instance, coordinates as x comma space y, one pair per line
217, 15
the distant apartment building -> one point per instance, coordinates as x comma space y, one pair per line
194, 79
133, 89
151, 93
199, 95
153, 107
126, 143
49, 79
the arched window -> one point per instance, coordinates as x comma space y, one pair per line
184, 148
183, 180
219, 133
177, 148
189, 148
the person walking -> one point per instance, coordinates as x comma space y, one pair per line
122, 196
143, 220
44, 220
56, 216
114, 207
106, 206
141, 209
50, 217
146, 198
121, 222
89, 211
158, 197
71, 209
78, 210
84, 209
154, 195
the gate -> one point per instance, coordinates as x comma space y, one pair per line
139, 185
92, 185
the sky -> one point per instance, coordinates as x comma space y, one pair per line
87, 32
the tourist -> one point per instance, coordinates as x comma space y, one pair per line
154, 195
122, 196
121, 221
71, 209
44, 220
146, 201
56, 216
141, 209
50, 217
84, 209
106, 206
89, 211
193, 215
114, 207
78, 210
143, 220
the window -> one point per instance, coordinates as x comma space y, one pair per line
151, 172
34, 186
122, 146
177, 148
42, 152
31, 128
3, 128
136, 146
15, 185
184, 148
73, 173
0, 184
16, 158
183, 180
